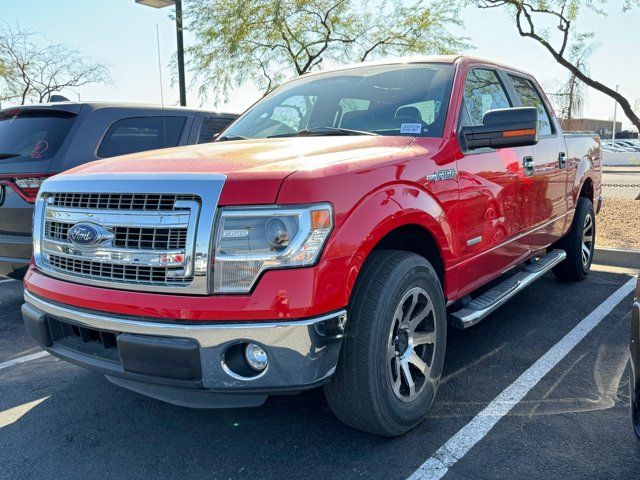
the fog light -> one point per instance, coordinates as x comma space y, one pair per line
256, 357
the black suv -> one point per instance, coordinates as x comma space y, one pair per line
38, 141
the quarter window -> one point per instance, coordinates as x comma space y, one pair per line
139, 134
482, 92
210, 127
529, 97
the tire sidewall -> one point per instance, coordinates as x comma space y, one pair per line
407, 414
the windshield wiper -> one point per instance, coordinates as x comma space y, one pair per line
8, 155
323, 131
226, 138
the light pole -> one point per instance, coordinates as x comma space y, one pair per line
615, 112
178, 5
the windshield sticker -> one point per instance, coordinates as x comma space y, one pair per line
411, 128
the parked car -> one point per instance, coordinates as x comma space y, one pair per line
634, 349
628, 145
38, 141
325, 239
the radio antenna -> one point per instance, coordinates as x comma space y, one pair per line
159, 66
164, 118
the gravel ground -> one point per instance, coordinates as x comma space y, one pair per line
618, 224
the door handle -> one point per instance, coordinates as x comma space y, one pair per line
529, 166
562, 160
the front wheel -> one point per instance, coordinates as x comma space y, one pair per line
393, 351
579, 244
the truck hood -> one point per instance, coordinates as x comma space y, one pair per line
255, 169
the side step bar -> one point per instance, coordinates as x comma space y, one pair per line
480, 307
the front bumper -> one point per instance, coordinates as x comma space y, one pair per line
185, 363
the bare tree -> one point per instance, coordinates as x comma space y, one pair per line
569, 99
31, 72
532, 17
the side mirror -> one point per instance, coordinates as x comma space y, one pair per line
508, 127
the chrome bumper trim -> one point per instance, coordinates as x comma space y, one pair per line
289, 334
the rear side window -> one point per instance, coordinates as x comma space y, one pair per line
530, 98
482, 92
139, 134
33, 134
211, 126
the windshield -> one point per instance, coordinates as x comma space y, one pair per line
407, 99
33, 134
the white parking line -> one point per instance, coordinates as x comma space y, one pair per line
26, 358
459, 445
5, 279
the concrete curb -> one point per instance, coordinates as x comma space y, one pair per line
615, 257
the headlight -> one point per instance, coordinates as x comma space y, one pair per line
252, 240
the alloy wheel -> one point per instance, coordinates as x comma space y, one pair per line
587, 240
411, 345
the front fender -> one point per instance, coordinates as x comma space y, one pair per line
380, 212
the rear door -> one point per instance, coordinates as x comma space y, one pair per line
139, 134
548, 206
492, 187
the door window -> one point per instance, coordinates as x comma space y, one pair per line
139, 134
482, 92
529, 97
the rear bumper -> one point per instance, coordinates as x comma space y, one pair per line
16, 249
189, 364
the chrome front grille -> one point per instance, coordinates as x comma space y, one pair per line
148, 232
118, 201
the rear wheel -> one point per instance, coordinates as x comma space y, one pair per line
393, 351
579, 244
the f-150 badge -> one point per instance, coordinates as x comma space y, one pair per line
442, 175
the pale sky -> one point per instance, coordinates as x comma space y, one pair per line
122, 34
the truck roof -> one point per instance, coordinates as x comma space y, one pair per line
450, 59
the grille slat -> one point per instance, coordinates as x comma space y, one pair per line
108, 271
130, 237
119, 201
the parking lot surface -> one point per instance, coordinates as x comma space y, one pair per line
60, 421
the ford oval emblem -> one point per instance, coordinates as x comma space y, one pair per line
85, 234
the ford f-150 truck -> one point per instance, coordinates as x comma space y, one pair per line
328, 237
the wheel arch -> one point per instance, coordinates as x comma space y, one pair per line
398, 217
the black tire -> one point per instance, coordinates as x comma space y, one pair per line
361, 393
574, 268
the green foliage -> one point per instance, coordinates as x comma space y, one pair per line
266, 42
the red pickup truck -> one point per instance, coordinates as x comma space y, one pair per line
329, 237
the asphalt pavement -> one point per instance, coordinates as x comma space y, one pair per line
59, 421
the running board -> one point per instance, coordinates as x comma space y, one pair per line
488, 302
